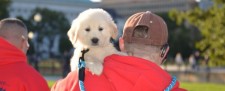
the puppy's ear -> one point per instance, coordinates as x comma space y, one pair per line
114, 30
72, 33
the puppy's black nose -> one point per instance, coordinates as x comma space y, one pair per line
94, 40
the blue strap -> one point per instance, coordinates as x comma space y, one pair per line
81, 85
81, 67
172, 84
81, 72
81, 64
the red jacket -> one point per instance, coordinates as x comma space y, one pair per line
121, 73
15, 73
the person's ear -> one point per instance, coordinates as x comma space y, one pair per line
121, 44
24, 44
164, 51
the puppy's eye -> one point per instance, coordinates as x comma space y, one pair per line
100, 28
87, 29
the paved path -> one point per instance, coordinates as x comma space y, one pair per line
171, 68
188, 68
52, 78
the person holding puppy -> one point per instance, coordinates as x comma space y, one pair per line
145, 35
15, 73
144, 39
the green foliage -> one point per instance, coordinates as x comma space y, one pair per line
51, 23
65, 44
51, 83
181, 38
4, 4
219, 1
211, 24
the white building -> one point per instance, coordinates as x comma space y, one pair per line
128, 7
124, 8
71, 8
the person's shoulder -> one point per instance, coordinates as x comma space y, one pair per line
22, 84
31, 78
71, 82
21, 70
12, 84
26, 68
118, 64
135, 73
123, 58
129, 60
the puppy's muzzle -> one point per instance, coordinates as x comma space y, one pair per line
94, 41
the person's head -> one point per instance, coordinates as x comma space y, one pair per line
15, 32
145, 35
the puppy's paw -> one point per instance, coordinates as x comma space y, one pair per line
95, 68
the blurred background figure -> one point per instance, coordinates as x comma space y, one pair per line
197, 58
192, 62
179, 60
66, 62
206, 61
33, 59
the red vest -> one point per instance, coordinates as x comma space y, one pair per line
15, 73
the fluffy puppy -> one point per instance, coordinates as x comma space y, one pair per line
92, 30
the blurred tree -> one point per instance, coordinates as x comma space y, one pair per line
51, 24
65, 44
211, 24
180, 40
4, 4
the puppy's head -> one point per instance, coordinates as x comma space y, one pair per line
93, 27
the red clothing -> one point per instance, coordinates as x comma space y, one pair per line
15, 73
121, 73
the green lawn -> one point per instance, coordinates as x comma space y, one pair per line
50, 83
191, 86
202, 86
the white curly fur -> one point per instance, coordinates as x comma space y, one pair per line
92, 19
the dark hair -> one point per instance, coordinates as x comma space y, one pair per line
140, 32
13, 21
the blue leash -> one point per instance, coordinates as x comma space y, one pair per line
81, 66
172, 84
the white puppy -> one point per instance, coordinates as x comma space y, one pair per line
92, 30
